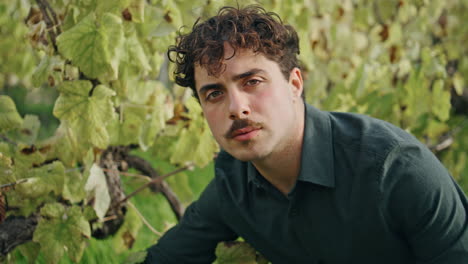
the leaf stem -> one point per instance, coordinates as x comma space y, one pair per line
6, 139
8, 185
147, 224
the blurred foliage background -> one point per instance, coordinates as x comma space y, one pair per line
78, 76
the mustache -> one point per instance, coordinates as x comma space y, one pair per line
241, 123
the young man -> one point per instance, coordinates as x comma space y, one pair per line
299, 184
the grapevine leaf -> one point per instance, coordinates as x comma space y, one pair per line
136, 54
6, 170
115, 6
193, 147
440, 101
64, 145
54, 210
42, 180
142, 92
137, 9
181, 185
436, 129
86, 45
206, 148
112, 27
28, 131
235, 253
159, 111
458, 83
358, 85
9, 117
173, 14
163, 29
27, 156
164, 146
97, 189
53, 234
87, 115
49, 70
128, 232
73, 189
79, 228
195, 143
89, 213
184, 148
124, 133
417, 97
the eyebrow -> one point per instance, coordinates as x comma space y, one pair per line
237, 77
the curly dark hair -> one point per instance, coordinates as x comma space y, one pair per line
250, 27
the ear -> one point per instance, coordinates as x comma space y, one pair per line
297, 84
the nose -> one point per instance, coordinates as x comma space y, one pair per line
238, 105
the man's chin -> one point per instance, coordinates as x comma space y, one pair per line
246, 155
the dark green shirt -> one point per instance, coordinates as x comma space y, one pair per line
367, 192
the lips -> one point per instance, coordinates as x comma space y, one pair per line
243, 129
245, 134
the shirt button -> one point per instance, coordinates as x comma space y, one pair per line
294, 212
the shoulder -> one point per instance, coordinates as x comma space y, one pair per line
370, 135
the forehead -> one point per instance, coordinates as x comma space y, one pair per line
233, 64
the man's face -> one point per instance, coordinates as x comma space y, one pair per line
252, 110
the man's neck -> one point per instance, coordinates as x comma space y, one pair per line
282, 167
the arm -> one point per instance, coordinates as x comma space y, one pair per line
426, 206
195, 238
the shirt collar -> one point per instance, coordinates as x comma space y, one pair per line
317, 151
253, 175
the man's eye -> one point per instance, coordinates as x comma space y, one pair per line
213, 95
252, 82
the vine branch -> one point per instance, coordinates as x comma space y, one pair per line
16, 230
157, 184
45, 8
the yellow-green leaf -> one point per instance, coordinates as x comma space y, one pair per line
86, 45
49, 70
113, 29
87, 115
54, 210
73, 189
9, 117
43, 180
28, 131
137, 9
458, 83
66, 233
